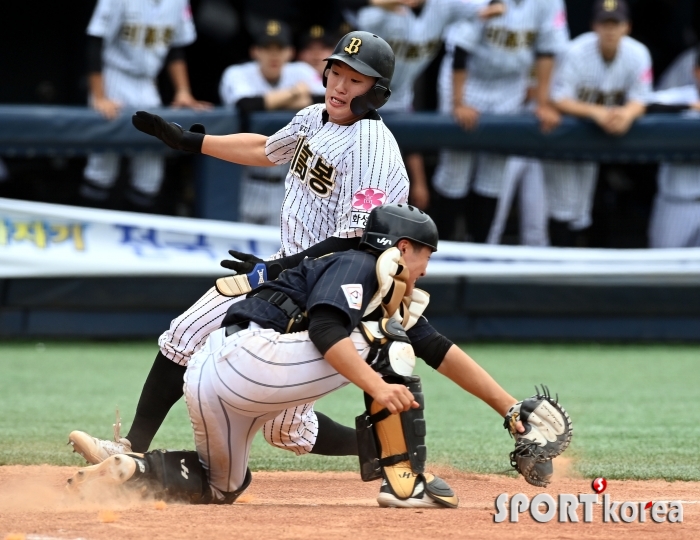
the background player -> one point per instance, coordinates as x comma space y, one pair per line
344, 162
128, 43
415, 36
605, 76
487, 69
315, 46
270, 82
675, 217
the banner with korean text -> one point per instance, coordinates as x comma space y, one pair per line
48, 240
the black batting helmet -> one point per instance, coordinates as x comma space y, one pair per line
388, 224
370, 55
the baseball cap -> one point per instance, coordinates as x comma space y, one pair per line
271, 32
611, 10
318, 33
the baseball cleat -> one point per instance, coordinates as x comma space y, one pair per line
419, 498
113, 471
96, 450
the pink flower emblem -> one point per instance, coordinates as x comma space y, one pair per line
368, 198
560, 19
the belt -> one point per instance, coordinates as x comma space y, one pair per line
233, 328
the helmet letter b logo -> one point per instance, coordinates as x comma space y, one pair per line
354, 46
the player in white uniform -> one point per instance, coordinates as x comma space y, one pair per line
271, 82
675, 218
487, 70
343, 162
129, 41
604, 76
416, 39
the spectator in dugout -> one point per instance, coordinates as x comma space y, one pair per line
270, 82
317, 44
675, 217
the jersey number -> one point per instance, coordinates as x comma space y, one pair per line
312, 170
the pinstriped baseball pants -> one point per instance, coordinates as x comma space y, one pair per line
235, 384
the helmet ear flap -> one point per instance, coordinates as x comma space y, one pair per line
325, 72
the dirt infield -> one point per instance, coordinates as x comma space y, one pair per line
34, 506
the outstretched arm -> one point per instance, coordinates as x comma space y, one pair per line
241, 148
465, 372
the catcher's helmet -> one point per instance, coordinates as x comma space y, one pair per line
370, 55
390, 223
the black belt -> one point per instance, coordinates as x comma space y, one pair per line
233, 328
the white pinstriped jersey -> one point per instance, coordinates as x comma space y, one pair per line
679, 180
337, 175
415, 39
680, 72
502, 53
582, 73
138, 33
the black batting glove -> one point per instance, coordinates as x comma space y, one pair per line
245, 264
169, 132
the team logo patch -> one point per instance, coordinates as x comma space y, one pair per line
354, 46
353, 294
368, 198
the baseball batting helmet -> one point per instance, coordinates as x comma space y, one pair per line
370, 55
388, 224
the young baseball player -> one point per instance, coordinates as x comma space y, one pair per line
487, 70
270, 82
675, 217
604, 76
128, 43
343, 162
315, 46
415, 35
352, 317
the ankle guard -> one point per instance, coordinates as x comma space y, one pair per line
178, 476
391, 445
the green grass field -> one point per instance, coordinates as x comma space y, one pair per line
633, 406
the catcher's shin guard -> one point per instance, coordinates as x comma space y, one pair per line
170, 475
393, 446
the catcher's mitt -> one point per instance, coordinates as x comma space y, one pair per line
547, 434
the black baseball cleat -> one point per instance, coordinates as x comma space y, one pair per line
429, 492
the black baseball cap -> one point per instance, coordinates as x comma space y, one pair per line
611, 10
270, 32
320, 34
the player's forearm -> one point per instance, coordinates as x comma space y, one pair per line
344, 359
544, 66
635, 109
459, 79
469, 375
241, 148
177, 69
96, 84
280, 99
577, 108
416, 170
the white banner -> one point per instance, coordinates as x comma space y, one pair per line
44, 240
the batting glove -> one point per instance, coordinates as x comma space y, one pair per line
170, 133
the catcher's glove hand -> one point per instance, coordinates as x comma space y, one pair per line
547, 434
169, 132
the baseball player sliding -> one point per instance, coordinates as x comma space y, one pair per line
129, 41
604, 76
352, 317
343, 162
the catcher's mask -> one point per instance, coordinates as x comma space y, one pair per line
370, 55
